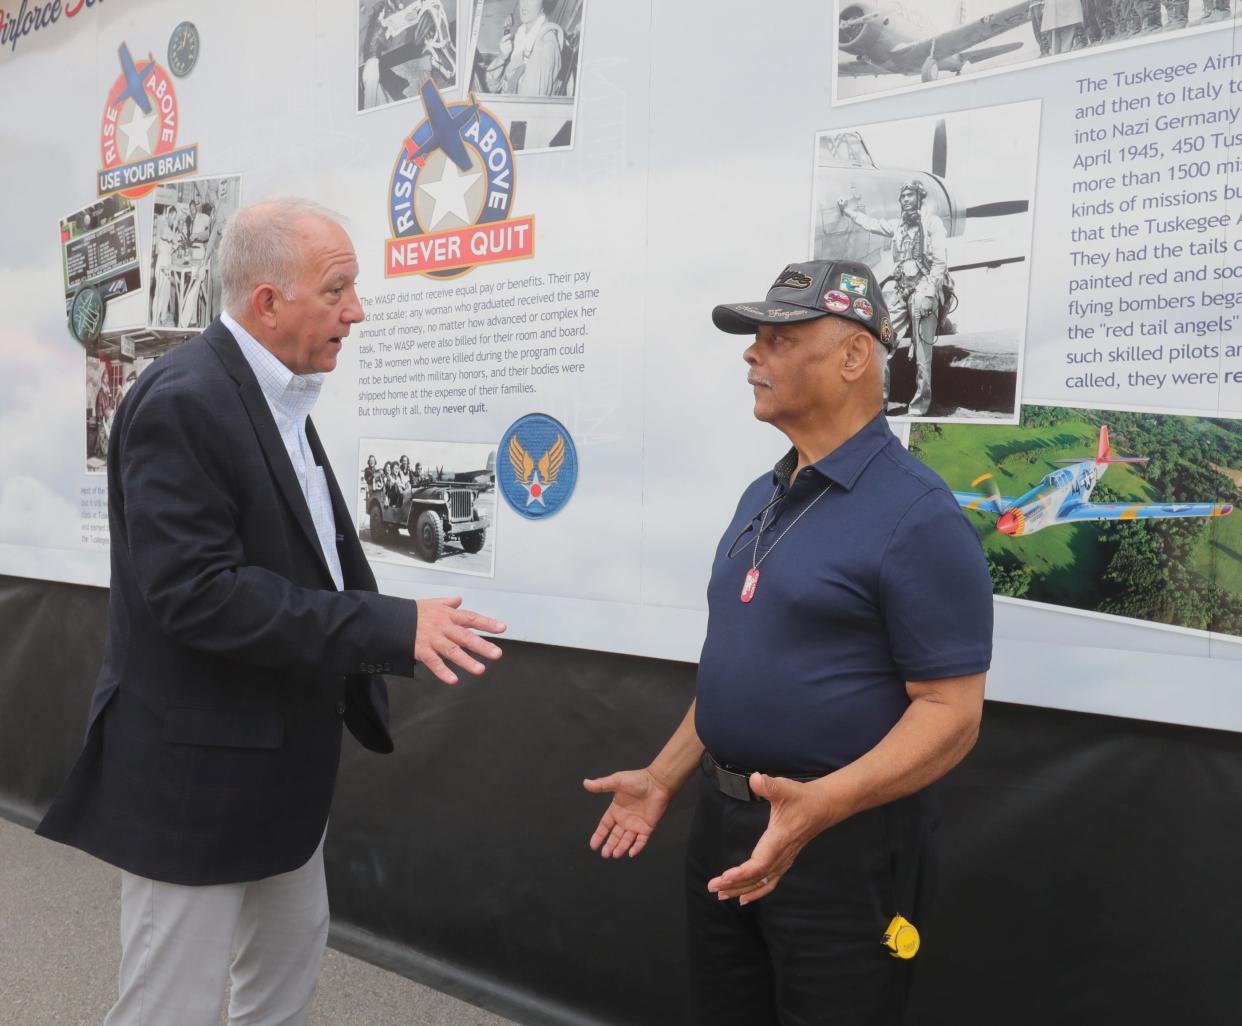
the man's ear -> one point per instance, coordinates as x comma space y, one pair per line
263, 304
858, 353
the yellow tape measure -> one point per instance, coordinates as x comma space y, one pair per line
901, 938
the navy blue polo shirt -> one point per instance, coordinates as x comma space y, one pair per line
882, 581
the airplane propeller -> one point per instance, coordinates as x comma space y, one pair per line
989, 486
940, 165
940, 149
847, 22
846, 33
1002, 208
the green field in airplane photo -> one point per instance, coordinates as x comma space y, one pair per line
1183, 572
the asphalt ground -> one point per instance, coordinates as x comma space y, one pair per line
59, 916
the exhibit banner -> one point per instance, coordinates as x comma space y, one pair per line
548, 197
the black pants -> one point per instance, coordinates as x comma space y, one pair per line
810, 953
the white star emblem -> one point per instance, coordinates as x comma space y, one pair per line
536, 490
137, 132
449, 194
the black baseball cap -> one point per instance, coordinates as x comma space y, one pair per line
804, 292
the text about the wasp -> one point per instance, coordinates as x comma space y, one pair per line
457, 349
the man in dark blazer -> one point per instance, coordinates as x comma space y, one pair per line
244, 630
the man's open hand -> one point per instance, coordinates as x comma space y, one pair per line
638, 802
799, 812
446, 634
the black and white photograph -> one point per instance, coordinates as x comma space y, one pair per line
113, 363
99, 246
885, 47
428, 504
527, 59
940, 208
184, 288
401, 44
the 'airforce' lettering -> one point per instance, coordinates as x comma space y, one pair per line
34, 17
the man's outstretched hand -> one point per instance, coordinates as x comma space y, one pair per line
446, 634
798, 812
638, 802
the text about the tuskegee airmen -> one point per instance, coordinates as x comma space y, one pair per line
1154, 286
457, 349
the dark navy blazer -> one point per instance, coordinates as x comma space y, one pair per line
232, 659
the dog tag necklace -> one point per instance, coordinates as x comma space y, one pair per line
751, 584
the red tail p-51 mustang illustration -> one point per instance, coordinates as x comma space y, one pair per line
1063, 498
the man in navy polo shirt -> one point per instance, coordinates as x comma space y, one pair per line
849, 632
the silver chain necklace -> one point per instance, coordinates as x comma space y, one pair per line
751, 584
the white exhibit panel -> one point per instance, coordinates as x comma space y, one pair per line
546, 202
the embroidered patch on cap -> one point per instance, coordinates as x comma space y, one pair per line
836, 302
854, 283
792, 278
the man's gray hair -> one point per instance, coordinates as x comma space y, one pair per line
261, 244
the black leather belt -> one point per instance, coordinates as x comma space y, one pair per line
736, 783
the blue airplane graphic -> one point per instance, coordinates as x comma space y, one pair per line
446, 129
135, 80
1063, 497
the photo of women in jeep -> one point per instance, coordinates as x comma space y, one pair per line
429, 504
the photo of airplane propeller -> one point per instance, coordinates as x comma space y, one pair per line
889, 39
1063, 497
845, 168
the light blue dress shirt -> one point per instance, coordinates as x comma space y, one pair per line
291, 397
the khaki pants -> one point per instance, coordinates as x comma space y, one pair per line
180, 944
920, 310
